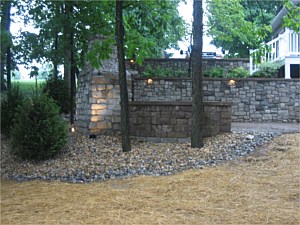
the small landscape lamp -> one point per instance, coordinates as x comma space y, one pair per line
72, 129
231, 82
149, 81
132, 62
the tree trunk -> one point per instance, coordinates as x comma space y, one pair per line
72, 79
67, 37
8, 68
125, 131
5, 45
55, 61
197, 101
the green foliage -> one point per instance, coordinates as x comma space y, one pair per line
38, 132
216, 72
99, 51
267, 70
238, 25
238, 72
261, 51
149, 27
9, 104
57, 89
292, 19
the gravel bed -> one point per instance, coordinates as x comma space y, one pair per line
87, 160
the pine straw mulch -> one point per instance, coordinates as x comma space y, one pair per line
263, 188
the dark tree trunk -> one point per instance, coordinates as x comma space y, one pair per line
72, 81
8, 68
5, 46
67, 44
197, 102
55, 63
125, 132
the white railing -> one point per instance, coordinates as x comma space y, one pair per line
284, 46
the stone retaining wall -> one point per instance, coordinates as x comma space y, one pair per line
260, 100
183, 64
172, 121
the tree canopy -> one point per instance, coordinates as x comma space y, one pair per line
240, 25
149, 29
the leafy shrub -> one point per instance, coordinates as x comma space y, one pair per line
267, 70
238, 72
9, 104
56, 88
149, 71
38, 131
216, 72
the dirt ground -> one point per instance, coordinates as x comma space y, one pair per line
263, 188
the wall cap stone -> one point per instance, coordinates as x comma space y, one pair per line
208, 59
179, 103
218, 79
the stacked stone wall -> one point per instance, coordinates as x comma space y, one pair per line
183, 64
259, 100
172, 121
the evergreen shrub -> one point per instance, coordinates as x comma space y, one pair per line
38, 132
57, 88
9, 104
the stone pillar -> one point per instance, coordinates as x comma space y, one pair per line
98, 97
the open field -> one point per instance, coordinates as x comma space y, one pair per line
262, 188
27, 86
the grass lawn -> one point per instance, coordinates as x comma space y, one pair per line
27, 86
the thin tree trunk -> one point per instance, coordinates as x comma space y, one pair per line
72, 79
8, 53
55, 62
8, 68
125, 132
197, 102
5, 46
67, 37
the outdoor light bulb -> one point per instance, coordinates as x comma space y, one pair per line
149, 81
131, 61
73, 129
231, 82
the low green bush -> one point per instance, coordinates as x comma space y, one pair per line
38, 131
238, 72
162, 72
56, 88
267, 70
9, 104
216, 72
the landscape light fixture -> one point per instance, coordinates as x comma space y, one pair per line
131, 63
231, 82
149, 81
72, 129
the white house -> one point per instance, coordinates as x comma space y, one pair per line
284, 48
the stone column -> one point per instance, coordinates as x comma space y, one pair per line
98, 97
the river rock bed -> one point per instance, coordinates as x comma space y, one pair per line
101, 158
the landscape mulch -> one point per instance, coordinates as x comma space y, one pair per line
261, 188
